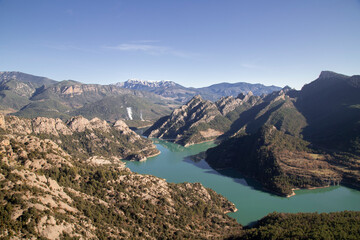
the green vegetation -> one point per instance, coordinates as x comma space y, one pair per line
113, 108
47, 189
49, 108
340, 225
256, 156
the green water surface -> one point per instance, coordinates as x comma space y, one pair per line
174, 164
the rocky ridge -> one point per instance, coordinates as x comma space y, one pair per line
282, 139
200, 120
30, 96
48, 192
298, 139
88, 137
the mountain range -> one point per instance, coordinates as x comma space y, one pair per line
62, 177
138, 102
172, 90
287, 139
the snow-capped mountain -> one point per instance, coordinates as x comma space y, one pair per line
172, 90
138, 84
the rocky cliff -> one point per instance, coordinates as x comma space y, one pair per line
200, 120
50, 192
299, 139
86, 138
183, 94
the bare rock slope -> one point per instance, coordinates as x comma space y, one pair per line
82, 137
49, 191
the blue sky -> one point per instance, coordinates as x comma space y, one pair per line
194, 43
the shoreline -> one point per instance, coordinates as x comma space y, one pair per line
206, 141
186, 145
309, 188
154, 155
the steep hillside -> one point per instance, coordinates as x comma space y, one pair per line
199, 120
51, 191
75, 94
83, 138
125, 106
282, 162
30, 96
299, 139
16, 88
331, 105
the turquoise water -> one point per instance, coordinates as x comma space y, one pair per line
174, 165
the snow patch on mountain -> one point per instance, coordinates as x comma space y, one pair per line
136, 83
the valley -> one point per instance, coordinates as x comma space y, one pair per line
172, 120
71, 166
283, 140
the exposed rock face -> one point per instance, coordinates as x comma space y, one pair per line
196, 112
121, 126
200, 120
79, 124
228, 104
49, 193
2, 121
97, 135
50, 126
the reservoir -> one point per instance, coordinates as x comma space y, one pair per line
175, 165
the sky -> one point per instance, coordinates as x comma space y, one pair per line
192, 42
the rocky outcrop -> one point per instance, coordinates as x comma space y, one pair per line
49, 192
50, 126
90, 138
228, 104
196, 114
200, 120
299, 139
80, 124
2, 121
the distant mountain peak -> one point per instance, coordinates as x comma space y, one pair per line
198, 96
135, 83
330, 74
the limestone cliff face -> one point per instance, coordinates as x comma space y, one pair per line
195, 113
50, 126
200, 120
228, 104
91, 138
